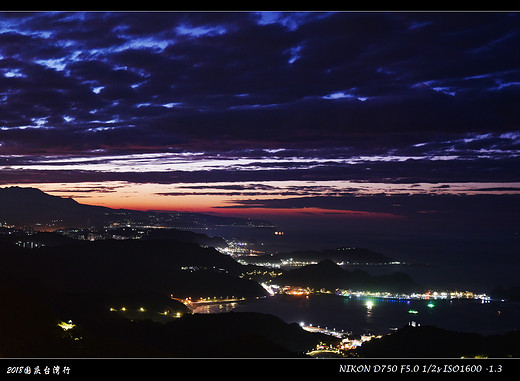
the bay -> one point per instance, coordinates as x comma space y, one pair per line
376, 316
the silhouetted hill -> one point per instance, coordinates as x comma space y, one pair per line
327, 274
238, 334
186, 236
162, 266
32, 207
21, 206
432, 342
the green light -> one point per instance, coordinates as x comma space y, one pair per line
431, 305
412, 311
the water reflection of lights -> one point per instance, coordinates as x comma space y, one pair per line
369, 304
215, 308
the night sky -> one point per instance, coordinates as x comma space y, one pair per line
384, 124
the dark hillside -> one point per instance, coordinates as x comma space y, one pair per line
326, 274
432, 342
160, 266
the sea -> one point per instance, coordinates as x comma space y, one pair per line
378, 316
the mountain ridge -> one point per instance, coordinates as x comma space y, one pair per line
27, 206
31, 207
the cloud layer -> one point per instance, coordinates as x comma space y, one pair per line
77, 82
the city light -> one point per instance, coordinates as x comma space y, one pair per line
403, 296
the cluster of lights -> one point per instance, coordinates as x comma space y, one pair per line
346, 343
238, 248
295, 290
292, 263
258, 273
124, 309
426, 296
207, 300
326, 330
142, 309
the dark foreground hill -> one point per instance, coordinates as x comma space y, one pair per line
115, 292
29, 329
128, 266
432, 342
232, 334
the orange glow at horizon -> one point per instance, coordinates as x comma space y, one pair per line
290, 212
148, 197
205, 204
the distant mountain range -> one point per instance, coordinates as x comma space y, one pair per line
31, 207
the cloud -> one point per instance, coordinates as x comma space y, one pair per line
235, 76
487, 158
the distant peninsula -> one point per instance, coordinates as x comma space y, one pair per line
327, 274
